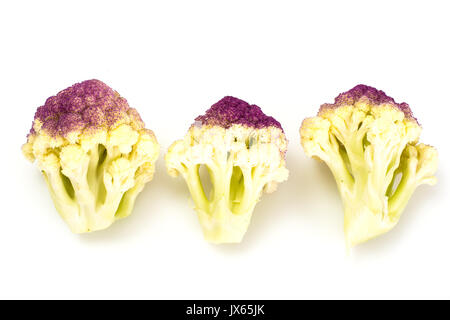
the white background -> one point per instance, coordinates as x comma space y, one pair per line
172, 60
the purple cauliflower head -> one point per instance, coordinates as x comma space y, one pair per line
90, 104
372, 96
230, 110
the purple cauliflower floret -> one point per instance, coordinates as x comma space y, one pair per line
243, 151
94, 153
370, 143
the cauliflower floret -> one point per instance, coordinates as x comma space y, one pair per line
244, 153
369, 142
94, 153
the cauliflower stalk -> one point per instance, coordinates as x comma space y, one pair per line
369, 142
94, 153
243, 151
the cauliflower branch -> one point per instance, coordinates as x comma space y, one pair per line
94, 153
369, 142
243, 151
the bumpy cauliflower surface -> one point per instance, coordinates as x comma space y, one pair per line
369, 142
94, 153
244, 153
